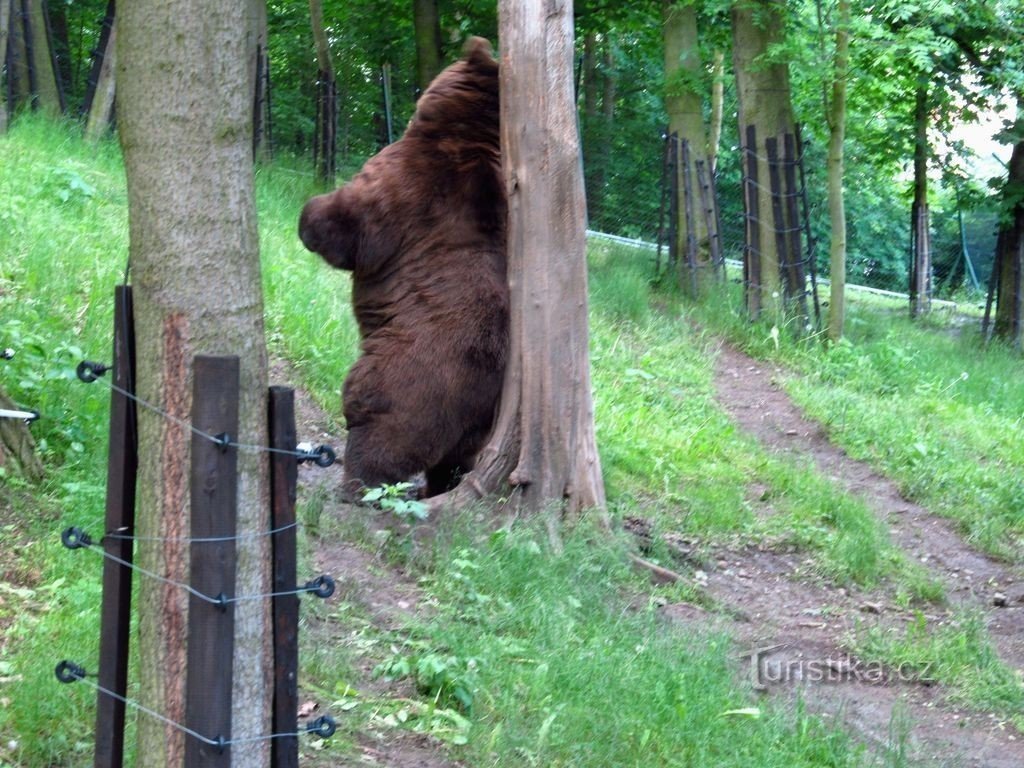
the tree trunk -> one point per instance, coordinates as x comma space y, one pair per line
920, 257
592, 137
589, 79
19, 72
16, 442
101, 107
1009, 321
49, 97
184, 105
427, 23
327, 103
765, 104
686, 121
543, 443
836, 203
717, 107
5, 26
259, 61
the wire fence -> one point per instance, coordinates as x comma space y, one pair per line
962, 240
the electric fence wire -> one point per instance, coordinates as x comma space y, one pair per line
75, 538
70, 672
322, 455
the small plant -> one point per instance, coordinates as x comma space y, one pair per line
446, 679
395, 499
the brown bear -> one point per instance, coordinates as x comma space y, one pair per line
422, 228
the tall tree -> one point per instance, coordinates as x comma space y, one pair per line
543, 443
100, 105
773, 264
427, 23
184, 105
684, 104
327, 101
835, 109
47, 93
920, 257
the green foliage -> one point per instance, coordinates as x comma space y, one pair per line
956, 653
396, 499
552, 640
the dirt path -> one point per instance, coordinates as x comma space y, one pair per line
804, 622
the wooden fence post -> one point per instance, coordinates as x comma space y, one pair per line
211, 627
283, 482
115, 610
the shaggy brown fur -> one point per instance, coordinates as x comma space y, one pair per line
422, 228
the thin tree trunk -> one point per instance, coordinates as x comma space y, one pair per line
48, 93
836, 203
592, 137
327, 109
717, 107
427, 25
686, 120
590, 79
921, 263
1009, 319
5, 26
259, 76
101, 110
184, 110
543, 443
18, 69
765, 103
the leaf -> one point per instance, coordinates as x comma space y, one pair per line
374, 494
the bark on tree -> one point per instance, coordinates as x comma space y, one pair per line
427, 25
765, 102
49, 97
1009, 320
590, 78
717, 107
18, 69
16, 443
5, 24
184, 107
543, 443
686, 120
920, 257
101, 107
836, 202
327, 104
259, 61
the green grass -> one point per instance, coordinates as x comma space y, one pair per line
554, 665
956, 653
925, 402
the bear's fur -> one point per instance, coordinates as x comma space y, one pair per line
422, 228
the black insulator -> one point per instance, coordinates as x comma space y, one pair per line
321, 586
69, 672
324, 727
89, 371
75, 538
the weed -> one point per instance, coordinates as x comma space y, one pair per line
395, 499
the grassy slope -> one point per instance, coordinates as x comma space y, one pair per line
559, 663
